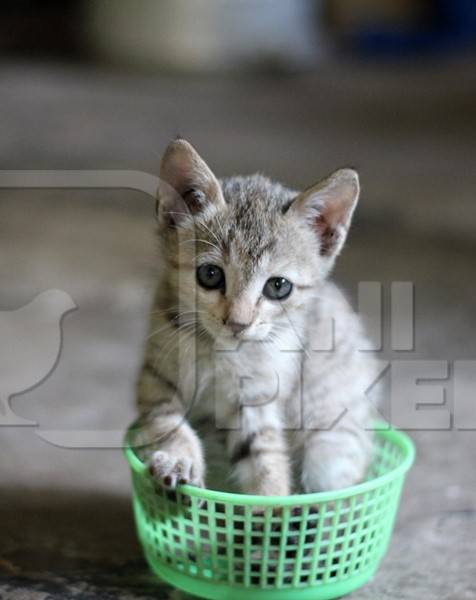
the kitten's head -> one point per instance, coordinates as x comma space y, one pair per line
246, 256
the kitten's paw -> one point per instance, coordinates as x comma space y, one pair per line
170, 471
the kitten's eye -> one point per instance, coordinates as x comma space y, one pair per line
277, 288
211, 277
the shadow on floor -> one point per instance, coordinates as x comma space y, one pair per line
66, 545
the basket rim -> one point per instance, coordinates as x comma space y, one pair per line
382, 429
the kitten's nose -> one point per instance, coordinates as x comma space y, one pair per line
235, 326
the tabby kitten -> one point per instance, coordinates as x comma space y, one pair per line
246, 329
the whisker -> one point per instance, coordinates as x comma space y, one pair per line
220, 225
303, 346
174, 336
169, 324
174, 310
202, 241
157, 331
213, 234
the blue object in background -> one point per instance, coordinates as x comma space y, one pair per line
452, 26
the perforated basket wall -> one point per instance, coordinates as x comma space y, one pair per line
221, 545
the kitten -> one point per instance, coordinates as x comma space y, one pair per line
239, 331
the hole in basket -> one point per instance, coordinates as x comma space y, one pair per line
340, 532
335, 563
171, 495
256, 580
327, 522
238, 510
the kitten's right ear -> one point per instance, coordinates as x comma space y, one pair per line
187, 185
327, 208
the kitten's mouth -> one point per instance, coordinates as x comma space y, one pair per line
230, 335
251, 334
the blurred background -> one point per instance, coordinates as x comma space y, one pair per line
291, 88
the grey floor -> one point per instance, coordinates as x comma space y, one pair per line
66, 523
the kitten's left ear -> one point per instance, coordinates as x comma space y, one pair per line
187, 185
328, 207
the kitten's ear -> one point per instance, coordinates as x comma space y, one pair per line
187, 185
328, 207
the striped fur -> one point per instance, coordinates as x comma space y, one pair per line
283, 400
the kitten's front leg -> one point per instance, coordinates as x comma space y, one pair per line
336, 458
259, 453
175, 451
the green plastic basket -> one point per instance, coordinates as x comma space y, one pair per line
221, 545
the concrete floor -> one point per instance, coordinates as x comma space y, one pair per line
67, 528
